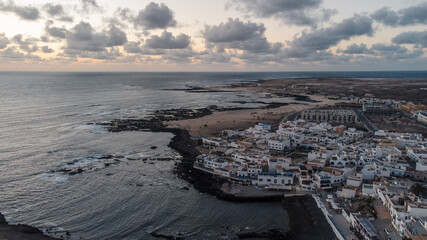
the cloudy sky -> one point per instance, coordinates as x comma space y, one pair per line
206, 35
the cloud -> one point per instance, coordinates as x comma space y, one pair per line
115, 37
155, 16
212, 57
417, 38
4, 41
12, 55
89, 6
57, 11
168, 41
324, 38
28, 45
355, 49
55, 31
403, 17
296, 12
236, 34
138, 48
53, 9
46, 49
82, 37
383, 51
24, 12
179, 55
233, 30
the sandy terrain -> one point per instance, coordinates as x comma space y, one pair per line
213, 124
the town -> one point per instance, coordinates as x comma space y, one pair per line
369, 182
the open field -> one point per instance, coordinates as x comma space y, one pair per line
212, 125
398, 89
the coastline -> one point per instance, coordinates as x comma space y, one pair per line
305, 217
20, 232
302, 210
213, 123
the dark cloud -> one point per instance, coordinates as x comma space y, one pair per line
394, 52
386, 16
115, 37
28, 45
110, 54
168, 41
82, 37
179, 55
138, 48
46, 49
57, 11
55, 31
233, 30
54, 9
24, 12
387, 48
4, 41
324, 38
383, 51
297, 12
417, 38
11, 54
155, 16
212, 57
236, 34
403, 17
356, 49
256, 45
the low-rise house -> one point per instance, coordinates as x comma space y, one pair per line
227, 171
369, 172
368, 190
353, 134
363, 226
215, 162
279, 144
272, 178
416, 229
355, 181
347, 192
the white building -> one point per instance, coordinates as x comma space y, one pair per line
354, 181
279, 144
272, 178
347, 192
370, 171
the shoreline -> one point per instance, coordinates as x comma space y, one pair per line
21, 231
302, 210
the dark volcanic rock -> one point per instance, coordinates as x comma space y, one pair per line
21, 231
159, 235
269, 234
306, 220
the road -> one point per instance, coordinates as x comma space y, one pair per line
368, 124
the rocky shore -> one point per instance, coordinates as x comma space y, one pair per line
21, 232
306, 220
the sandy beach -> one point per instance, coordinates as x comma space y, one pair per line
213, 124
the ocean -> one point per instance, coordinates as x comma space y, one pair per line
45, 126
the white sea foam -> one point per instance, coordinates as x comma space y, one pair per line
56, 177
96, 129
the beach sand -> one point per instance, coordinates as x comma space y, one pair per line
212, 125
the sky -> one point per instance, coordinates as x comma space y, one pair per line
206, 35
